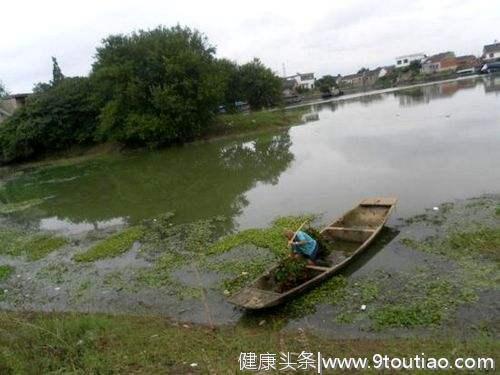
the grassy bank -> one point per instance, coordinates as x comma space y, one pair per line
40, 343
242, 123
224, 125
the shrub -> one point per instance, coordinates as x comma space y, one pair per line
52, 119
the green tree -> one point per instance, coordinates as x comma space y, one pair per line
259, 85
326, 83
229, 79
57, 75
415, 66
156, 87
55, 119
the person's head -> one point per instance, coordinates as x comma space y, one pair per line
288, 233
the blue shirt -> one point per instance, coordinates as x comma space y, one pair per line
308, 247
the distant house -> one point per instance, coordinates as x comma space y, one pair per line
363, 79
442, 62
13, 102
406, 60
302, 80
467, 64
491, 52
351, 80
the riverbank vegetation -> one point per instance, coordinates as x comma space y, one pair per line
241, 123
150, 88
80, 343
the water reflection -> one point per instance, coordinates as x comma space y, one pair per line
196, 182
492, 84
66, 226
425, 94
424, 154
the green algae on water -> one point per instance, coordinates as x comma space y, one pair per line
112, 246
34, 246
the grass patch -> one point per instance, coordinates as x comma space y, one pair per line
55, 273
437, 300
482, 242
99, 344
5, 272
33, 246
485, 241
112, 246
40, 245
240, 123
497, 211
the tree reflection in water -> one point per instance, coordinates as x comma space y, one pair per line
195, 181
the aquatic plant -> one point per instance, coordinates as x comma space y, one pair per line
33, 246
112, 246
5, 272
290, 272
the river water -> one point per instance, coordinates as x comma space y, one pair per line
424, 145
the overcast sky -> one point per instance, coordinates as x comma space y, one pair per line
325, 37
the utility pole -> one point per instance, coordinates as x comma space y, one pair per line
284, 70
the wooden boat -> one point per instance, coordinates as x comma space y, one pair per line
350, 236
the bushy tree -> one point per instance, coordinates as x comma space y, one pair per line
229, 78
326, 83
259, 85
51, 120
156, 87
57, 75
415, 66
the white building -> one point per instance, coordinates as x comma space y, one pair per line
405, 60
303, 80
491, 52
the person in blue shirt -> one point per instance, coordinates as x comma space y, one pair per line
302, 245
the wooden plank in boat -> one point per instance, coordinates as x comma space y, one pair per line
253, 297
318, 268
370, 230
379, 201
